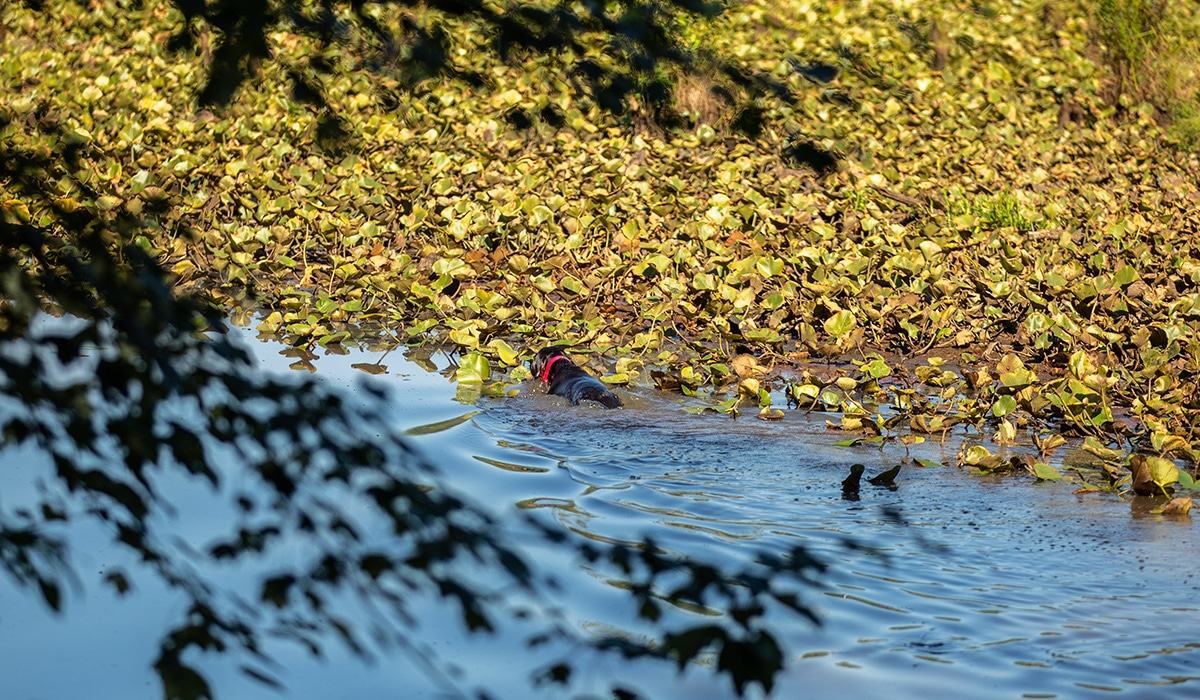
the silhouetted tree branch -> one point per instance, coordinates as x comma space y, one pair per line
143, 386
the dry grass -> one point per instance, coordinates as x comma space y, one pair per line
701, 101
695, 100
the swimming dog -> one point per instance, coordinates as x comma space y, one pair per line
569, 380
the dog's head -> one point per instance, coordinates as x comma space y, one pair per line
544, 360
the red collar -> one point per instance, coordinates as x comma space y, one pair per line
546, 371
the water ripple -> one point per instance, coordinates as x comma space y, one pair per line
987, 587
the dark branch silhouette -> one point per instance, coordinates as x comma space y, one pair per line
104, 401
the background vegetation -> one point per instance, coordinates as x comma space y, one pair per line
975, 180
929, 214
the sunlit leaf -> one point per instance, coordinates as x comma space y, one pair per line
473, 368
839, 324
1004, 406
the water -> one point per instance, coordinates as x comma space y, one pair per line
989, 587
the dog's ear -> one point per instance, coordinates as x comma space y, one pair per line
538, 363
546, 354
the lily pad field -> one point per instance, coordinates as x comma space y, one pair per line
971, 216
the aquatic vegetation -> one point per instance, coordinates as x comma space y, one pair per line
948, 226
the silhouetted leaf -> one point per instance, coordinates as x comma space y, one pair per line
117, 580
816, 72
50, 594
686, 646
811, 155
261, 677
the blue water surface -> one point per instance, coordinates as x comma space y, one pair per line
959, 585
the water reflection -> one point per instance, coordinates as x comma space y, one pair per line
987, 587
991, 587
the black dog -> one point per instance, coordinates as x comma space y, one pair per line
568, 379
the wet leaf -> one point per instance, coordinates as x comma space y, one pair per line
1046, 472
473, 368
749, 387
1106, 454
887, 478
1004, 406
769, 414
729, 407
978, 456
1006, 433
1047, 444
507, 354
745, 365
442, 425
1163, 471
1152, 474
876, 369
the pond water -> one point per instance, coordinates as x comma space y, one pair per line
984, 587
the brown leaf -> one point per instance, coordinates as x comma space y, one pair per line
745, 365
1178, 506
1143, 480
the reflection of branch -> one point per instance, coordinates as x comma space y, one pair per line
33, 558
136, 396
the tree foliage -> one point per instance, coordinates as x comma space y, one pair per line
106, 402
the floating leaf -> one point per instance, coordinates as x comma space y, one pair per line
1004, 406
769, 414
473, 369
876, 368
507, 354
1045, 472
1107, 454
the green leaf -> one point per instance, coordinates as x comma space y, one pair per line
976, 454
1094, 446
1163, 471
1045, 472
763, 335
876, 369
506, 352
729, 406
474, 369
1125, 276
839, 324
1004, 406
